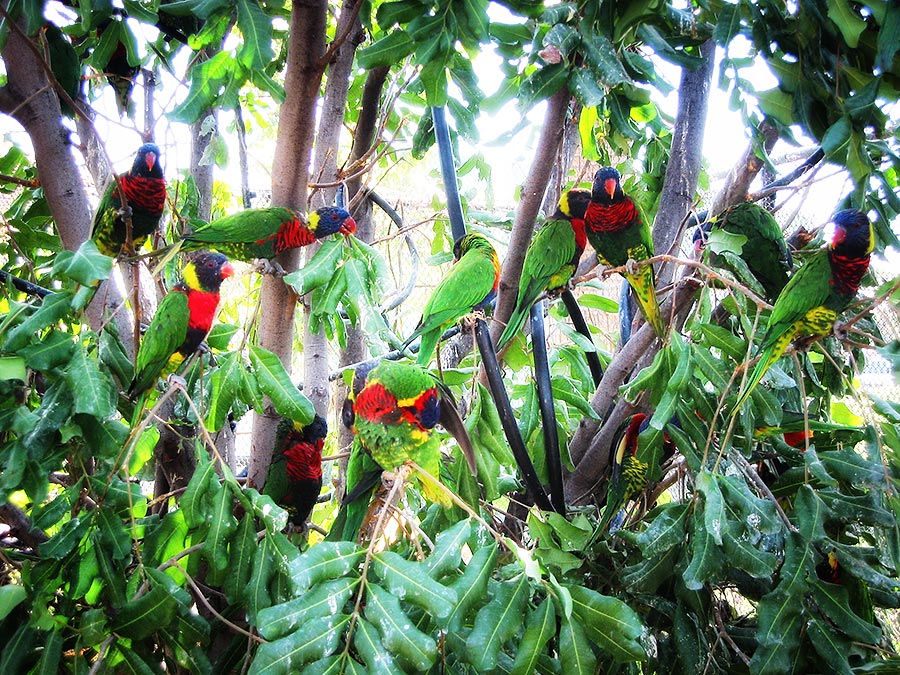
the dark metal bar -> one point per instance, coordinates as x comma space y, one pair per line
24, 286
448, 171
581, 326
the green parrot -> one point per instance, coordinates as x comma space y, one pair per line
294, 479
763, 249
262, 233
819, 291
145, 193
393, 409
619, 234
471, 284
181, 322
551, 258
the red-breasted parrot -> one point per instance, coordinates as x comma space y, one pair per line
820, 290
145, 193
471, 284
182, 320
264, 232
763, 249
551, 258
619, 234
393, 409
295, 474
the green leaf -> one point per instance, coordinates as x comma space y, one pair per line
833, 649
411, 582
847, 20
315, 640
665, 531
258, 595
326, 560
222, 525
541, 85
778, 105
600, 55
225, 385
497, 622
448, 549
324, 599
240, 560
594, 301
836, 140
471, 587
275, 383
116, 539
199, 490
13, 367
373, 653
608, 622
86, 266
706, 558
319, 270
834, 601
140, 618
54, 308
540, 628
575, 652
93, 390
388, 50
11, 595
256, 52
714, 506
778, 634
415, 650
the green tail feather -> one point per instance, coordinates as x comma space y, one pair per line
645, 292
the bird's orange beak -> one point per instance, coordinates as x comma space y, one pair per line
150, 158
610, 186
349, 226
227, 270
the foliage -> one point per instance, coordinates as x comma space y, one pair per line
762, 556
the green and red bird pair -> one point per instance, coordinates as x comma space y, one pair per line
469, 285
551, 258
181, 322
620, 235
393, 410
817, 293
144, 188
294, 479
262, 233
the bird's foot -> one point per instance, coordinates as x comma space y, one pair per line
174, 380
471, 319
268, 267
125, 212
631, 267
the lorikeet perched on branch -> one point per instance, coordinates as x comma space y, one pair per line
764, 250
295, 474
551, 258
182, 320
145, 193
471, 284
619, 234
819, 291
263, 233
393, 410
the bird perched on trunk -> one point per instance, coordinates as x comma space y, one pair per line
621, 236
263, 233
551, 258
182, 320
471, 284
144, 188
820, 290
393, 410
763, 248
295, 474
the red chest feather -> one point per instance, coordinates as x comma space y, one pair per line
611, 217
304, 460
148, 194
202, 308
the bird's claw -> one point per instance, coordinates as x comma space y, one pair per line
125, 212
176, 381
268, 267
631, 267
471, 319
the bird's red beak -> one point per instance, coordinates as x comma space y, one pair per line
349, 226
227, 270
835, 234
610, 186
150, 158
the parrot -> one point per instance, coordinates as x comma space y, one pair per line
182, 320
629, 474
121, 76
551, 258
295, 474
392, 410
764, 249
262, 233
145, 192
471, 284
619, 233
817, 292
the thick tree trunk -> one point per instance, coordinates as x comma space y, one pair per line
290, 177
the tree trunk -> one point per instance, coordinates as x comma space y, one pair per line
290, 177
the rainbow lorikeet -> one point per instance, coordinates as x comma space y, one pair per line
471, 284
551, 258
182, 320
145, 193
629, 474
619, 234
295, 474
393, 409
762, 248
264, 232
820, 290
121, 76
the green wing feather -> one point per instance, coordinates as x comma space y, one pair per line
549, 253
165, 334
765, 252
249, 225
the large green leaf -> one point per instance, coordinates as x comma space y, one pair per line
92, 388
275, 383
319, 270
830, 645
256, 51
415, 650
540, 628
411, 582
87, 265
314, 640
778, 633
388, 50
472, 585
834, 601
373, 653
140, 618
323, 599
609, 623
225, 386
448, 549
575, 652
222, 525
326, 560
847, 20
497, 622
